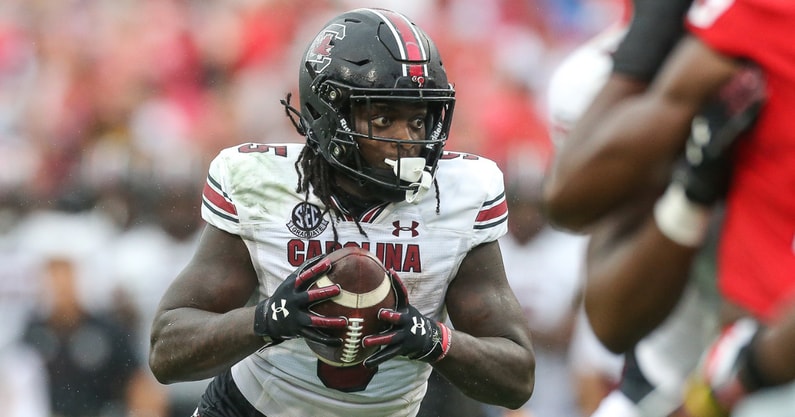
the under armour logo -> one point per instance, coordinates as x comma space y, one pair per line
418, 327
399, 228
280, 309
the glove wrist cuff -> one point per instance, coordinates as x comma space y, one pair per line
261, 323
440, 344
447, 339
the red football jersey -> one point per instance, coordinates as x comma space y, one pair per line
756, 264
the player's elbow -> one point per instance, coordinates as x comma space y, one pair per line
606, 329
509, 388
612, 340
523, 394
163, 363
560, 210
159, 367
522, 386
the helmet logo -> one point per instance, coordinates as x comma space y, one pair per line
419, 79
319, 52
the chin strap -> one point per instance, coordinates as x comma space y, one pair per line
412, 170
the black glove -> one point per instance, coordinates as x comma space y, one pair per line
412, 334
286, 315
706, 169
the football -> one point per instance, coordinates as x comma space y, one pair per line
366, 288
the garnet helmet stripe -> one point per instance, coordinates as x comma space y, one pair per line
408, 40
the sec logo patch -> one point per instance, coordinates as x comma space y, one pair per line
306, 221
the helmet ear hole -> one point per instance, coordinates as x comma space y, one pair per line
310, 69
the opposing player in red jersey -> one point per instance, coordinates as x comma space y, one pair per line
756, 258
641, 139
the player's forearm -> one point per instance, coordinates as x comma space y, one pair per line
634, 282
573, 192
189, 344
493, 370
631, 150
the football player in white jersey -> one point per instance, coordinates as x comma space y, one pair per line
375, 107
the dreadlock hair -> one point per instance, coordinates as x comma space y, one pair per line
316, 173
438, 200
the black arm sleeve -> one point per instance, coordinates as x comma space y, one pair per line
655, 28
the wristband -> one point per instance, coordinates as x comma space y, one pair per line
680, 219
447, 339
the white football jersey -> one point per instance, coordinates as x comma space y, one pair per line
577, 80
250, 192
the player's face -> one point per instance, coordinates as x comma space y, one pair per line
395, 120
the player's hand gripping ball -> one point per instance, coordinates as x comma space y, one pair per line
365, 289
285, 315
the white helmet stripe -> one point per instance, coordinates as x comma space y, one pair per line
408, 40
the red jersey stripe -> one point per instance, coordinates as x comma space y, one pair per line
493, 212
218, 200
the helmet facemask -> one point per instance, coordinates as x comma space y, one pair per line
406, 176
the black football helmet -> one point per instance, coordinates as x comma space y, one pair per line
366, 56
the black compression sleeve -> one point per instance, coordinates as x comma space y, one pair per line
655, 28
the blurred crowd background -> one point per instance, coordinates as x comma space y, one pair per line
110, 111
